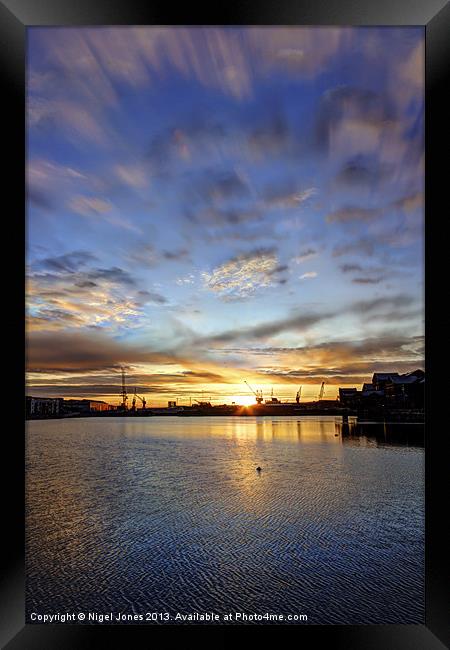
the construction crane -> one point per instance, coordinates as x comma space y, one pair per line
133, 403
203, 402
322, 390
257, 393
272, 400
123, 392
297, 397
143, 400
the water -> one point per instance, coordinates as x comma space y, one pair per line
163, 514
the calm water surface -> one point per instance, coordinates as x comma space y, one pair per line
169, 515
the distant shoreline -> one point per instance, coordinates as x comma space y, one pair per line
366, 418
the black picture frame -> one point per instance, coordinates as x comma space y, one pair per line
15, 17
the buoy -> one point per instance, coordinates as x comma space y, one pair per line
258, 469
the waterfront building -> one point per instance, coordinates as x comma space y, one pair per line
348, 396
84, 406
380, 379
406, 390
43, 406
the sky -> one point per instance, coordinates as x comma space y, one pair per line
207, 206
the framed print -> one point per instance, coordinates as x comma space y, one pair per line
231, 414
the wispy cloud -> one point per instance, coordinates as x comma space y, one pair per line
136, 176
369, 280
94, 206
89, 206
68, 262
242, 276
290, 200
305, 255
72, 118
294, 322
351, 213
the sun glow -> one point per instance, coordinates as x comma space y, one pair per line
243, 400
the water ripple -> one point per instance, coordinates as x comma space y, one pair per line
159, 515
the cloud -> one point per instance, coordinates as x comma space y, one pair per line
276, 197
355, 375
114, 275
370, 309
171, 384
220, 186
373, 346
89, 206
185, 279
374, 304
93, 206
350, 213
39, 198
281, 268
369, 274
396, 225
375, 139
94, 61
271, 136
410, 202
53, 319
178, 255
191, 137
153, 297
82, 351
339, 361
147, 256
100, 310
72, 351
232, 216
45, 176
195, 52
291, 56
72, 291
294, 322
83, 284
73, 267
74, 119
44, 172
305, 255
166, 377
135, 176
397, 315
68, 262
350, 268
364, 110
359, 246
88, 363
299, 52
242, 276
369, 280
363, 172
406, 83
309, 275
205, 140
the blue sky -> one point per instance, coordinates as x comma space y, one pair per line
208, 205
